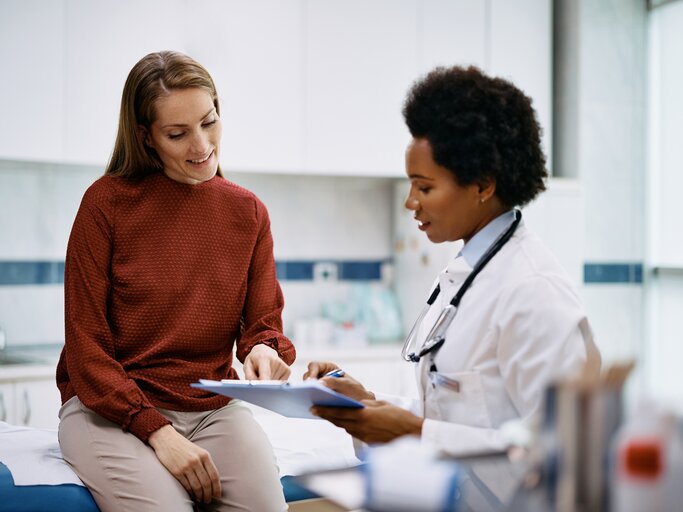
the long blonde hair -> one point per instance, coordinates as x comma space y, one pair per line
152, 77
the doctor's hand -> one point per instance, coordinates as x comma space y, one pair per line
317, 369
345, 385
191, 465
377, 422
264, 363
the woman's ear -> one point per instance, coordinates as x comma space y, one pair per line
487, 188
143, 136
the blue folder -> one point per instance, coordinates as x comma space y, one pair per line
289, 399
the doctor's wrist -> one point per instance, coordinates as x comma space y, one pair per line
418, 427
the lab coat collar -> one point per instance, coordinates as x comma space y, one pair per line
479, 243
454, 275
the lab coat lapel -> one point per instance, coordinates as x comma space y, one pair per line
452, 277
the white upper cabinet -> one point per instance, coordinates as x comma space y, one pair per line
255, 52
521, 51
103, 42
306, 86
32, 87
452, 32
361, 56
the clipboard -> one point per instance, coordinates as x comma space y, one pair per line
289, 399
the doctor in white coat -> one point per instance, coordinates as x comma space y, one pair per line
474, 159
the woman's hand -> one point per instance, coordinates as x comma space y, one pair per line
190, 464
264, 363
345, 385
377, 422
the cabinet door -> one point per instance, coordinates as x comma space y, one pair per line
361, 56
37, 403
7, 402
103, 42
452, 32
521, 50
32, 86
254, 52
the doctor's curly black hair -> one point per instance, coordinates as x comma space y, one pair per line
479, 127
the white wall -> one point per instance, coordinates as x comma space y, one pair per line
307, 86
600, 73
313, 218
665, 181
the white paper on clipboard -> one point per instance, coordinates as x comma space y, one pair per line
289, 399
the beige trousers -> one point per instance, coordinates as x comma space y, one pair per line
124, 474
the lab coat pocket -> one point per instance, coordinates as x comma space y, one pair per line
459, 398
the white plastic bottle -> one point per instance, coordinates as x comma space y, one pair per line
640, 472
674, 479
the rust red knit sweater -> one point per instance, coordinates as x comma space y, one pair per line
162, 279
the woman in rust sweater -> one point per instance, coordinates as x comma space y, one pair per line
168, 267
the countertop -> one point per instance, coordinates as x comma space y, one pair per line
41, 359
38, 361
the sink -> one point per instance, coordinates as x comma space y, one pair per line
11, 359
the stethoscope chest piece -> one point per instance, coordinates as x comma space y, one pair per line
437, 336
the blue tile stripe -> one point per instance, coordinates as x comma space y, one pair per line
611, 273
52, 272
31, 272
347, 270
295, 270
360, 270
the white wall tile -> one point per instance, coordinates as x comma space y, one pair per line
611, 105
318, 217
663, 350
312, 218
612, 177
304, 300
615, 312
39, 203
665, 148
556, 216
32, 314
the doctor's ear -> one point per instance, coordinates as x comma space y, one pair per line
486, 189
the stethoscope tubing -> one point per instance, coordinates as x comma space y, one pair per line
437, 335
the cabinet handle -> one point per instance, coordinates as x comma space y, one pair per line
3, 409
27, 409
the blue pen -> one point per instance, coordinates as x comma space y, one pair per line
335, 373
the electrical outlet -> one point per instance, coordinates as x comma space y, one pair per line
325, 272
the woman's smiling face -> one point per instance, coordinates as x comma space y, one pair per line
186, 135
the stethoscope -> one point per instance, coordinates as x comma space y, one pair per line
437, 335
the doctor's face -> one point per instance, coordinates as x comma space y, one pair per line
186, 135
445, 210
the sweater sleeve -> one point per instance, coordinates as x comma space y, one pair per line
97, 378
262, 314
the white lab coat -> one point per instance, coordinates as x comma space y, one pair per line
519, 326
